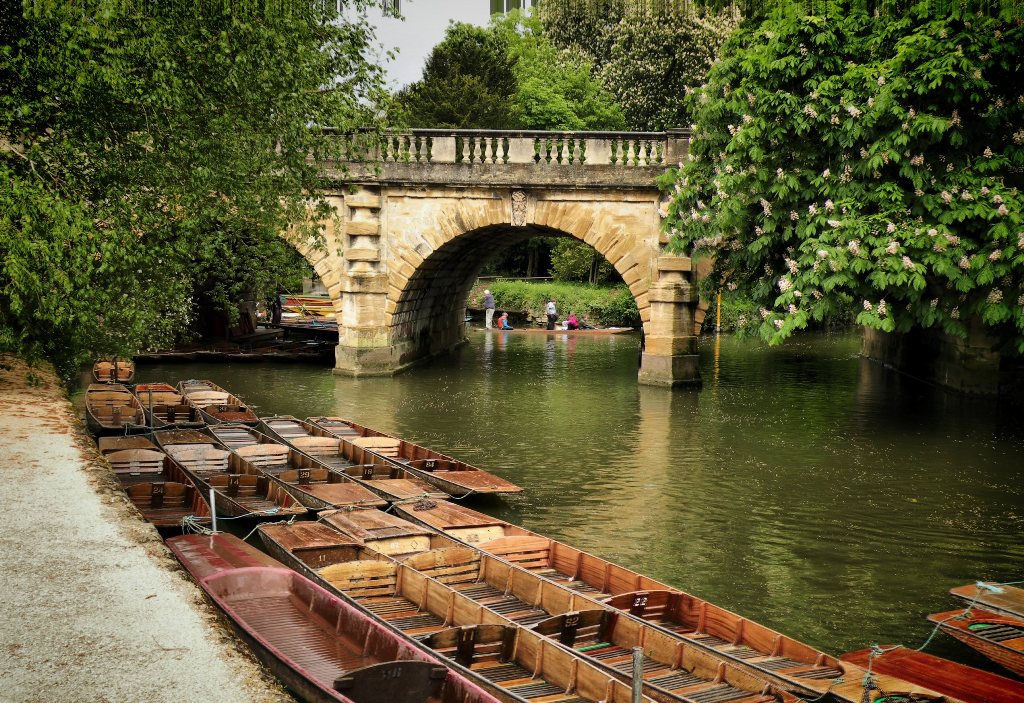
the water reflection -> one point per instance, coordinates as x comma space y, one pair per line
803, 487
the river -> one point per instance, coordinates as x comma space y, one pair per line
802, 486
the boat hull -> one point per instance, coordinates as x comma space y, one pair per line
949, 678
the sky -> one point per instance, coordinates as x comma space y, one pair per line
423, 27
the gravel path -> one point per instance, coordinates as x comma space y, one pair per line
93, 607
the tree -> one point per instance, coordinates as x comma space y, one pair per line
647, 56
846, 160
573, 260
149, 155
468, 83
555, 88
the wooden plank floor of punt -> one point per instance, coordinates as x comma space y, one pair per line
324, 653
994, 597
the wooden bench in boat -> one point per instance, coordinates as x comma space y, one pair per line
385, 446
203, 398
200, 459
265, 456
137, 461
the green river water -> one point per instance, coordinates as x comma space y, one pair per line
802, 487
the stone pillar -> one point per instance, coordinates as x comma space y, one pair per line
363, 338
670, 347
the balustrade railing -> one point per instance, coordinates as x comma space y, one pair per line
501, 147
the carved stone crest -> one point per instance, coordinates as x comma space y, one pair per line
518, 208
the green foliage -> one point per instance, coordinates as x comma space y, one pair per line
573, 260
467, 83
147, 158
648, 57
555, 88
600, 305
507, 76
865, 161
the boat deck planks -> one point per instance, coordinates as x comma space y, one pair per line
1009, 602
950, 678
998, 637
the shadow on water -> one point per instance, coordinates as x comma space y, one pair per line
803, 487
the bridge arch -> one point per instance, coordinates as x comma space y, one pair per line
416, 226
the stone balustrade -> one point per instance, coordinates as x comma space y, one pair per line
623, 159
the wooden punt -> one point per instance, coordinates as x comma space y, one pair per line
380, 531
592, 332
155, 484
392, 482
456, 585
113, 370
993, 597
964, 682
313, 484
998, 637
206, 462
450, 475
601, 584
110, 408
215, 404
320, 646
165, 408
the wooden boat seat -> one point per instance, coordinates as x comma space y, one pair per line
393, 681
264, 455
363, 578
158, 495
448, 564
526, 551
136, 461
204, 398
317, 446
475, 645
648, 605
200, 459
385, 446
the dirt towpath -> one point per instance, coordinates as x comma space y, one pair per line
92, 605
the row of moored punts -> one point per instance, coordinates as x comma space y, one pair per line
395, 593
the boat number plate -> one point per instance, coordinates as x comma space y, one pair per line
391, 673
640, 601
430, 464
368, 472
303, 475
572, 620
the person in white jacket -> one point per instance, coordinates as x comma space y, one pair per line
552, 314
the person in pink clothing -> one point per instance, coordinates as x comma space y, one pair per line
571, 322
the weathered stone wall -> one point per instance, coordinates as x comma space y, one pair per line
971, 365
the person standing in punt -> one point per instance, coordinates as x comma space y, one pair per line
552, 314
488, 309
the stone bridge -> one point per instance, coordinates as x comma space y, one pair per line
419, 217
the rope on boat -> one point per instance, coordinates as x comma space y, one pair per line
290, 521
835, 682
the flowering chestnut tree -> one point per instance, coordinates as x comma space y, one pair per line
847, 160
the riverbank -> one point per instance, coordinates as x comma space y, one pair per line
93, 605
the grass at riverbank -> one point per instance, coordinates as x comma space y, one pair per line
601, 305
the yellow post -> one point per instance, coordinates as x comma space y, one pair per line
718, 314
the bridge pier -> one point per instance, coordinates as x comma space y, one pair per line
670, 347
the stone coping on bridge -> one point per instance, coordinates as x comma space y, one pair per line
510, 157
